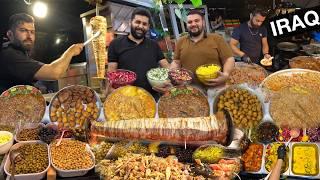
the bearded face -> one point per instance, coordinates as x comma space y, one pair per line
139, 26
195, 25
23, 36
257, 20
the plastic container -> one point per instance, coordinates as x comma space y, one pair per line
76, 172
180, 76
28, 126
118, 79
160, 79
212, 75
31, 176
4, 147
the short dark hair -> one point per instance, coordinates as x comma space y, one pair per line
142, 12
263, 12
17, 19
196, 11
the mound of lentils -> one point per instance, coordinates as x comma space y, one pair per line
29, 134
71, 155
33, 159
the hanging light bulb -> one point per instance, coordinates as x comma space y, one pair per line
40, 9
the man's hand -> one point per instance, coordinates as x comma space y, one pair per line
166, 87
246, 59
75, 49
281, 152
221, 79
267, 56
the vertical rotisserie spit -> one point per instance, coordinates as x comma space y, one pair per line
99, 23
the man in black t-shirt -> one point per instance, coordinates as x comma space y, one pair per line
252, 37
16, 66
135, 52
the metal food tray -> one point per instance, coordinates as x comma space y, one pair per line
307, 58
261, 171
256, 67
118, 89
287, 72
287, 172
265, 111
290, 161
98, 100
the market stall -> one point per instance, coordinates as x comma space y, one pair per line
182, 141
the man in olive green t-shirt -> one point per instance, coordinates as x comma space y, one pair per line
199, 48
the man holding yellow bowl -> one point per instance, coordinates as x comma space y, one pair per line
200, 48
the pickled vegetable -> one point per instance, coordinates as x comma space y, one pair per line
253, 158
159, 74
272, 157
210, 154
180, 76
4, 138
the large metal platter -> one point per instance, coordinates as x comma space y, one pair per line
181, 102
129, 102
305, 62
73, 114
251, 91
21, 104
252, 77
305, 78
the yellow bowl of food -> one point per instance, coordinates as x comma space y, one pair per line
207, 71
6, 141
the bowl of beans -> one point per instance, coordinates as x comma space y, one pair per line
121, 77
158, 76
180, 76
207, 71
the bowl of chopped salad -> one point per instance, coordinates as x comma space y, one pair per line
158, 77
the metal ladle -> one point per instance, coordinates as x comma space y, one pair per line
13, 155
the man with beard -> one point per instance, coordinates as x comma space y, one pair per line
199, 48
135, 52
252, 37
16, 66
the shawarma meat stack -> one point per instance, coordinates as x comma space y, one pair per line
99, 23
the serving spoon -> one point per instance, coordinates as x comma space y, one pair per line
294, 133
13, 155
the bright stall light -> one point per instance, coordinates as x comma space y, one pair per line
40, 9
58, 40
